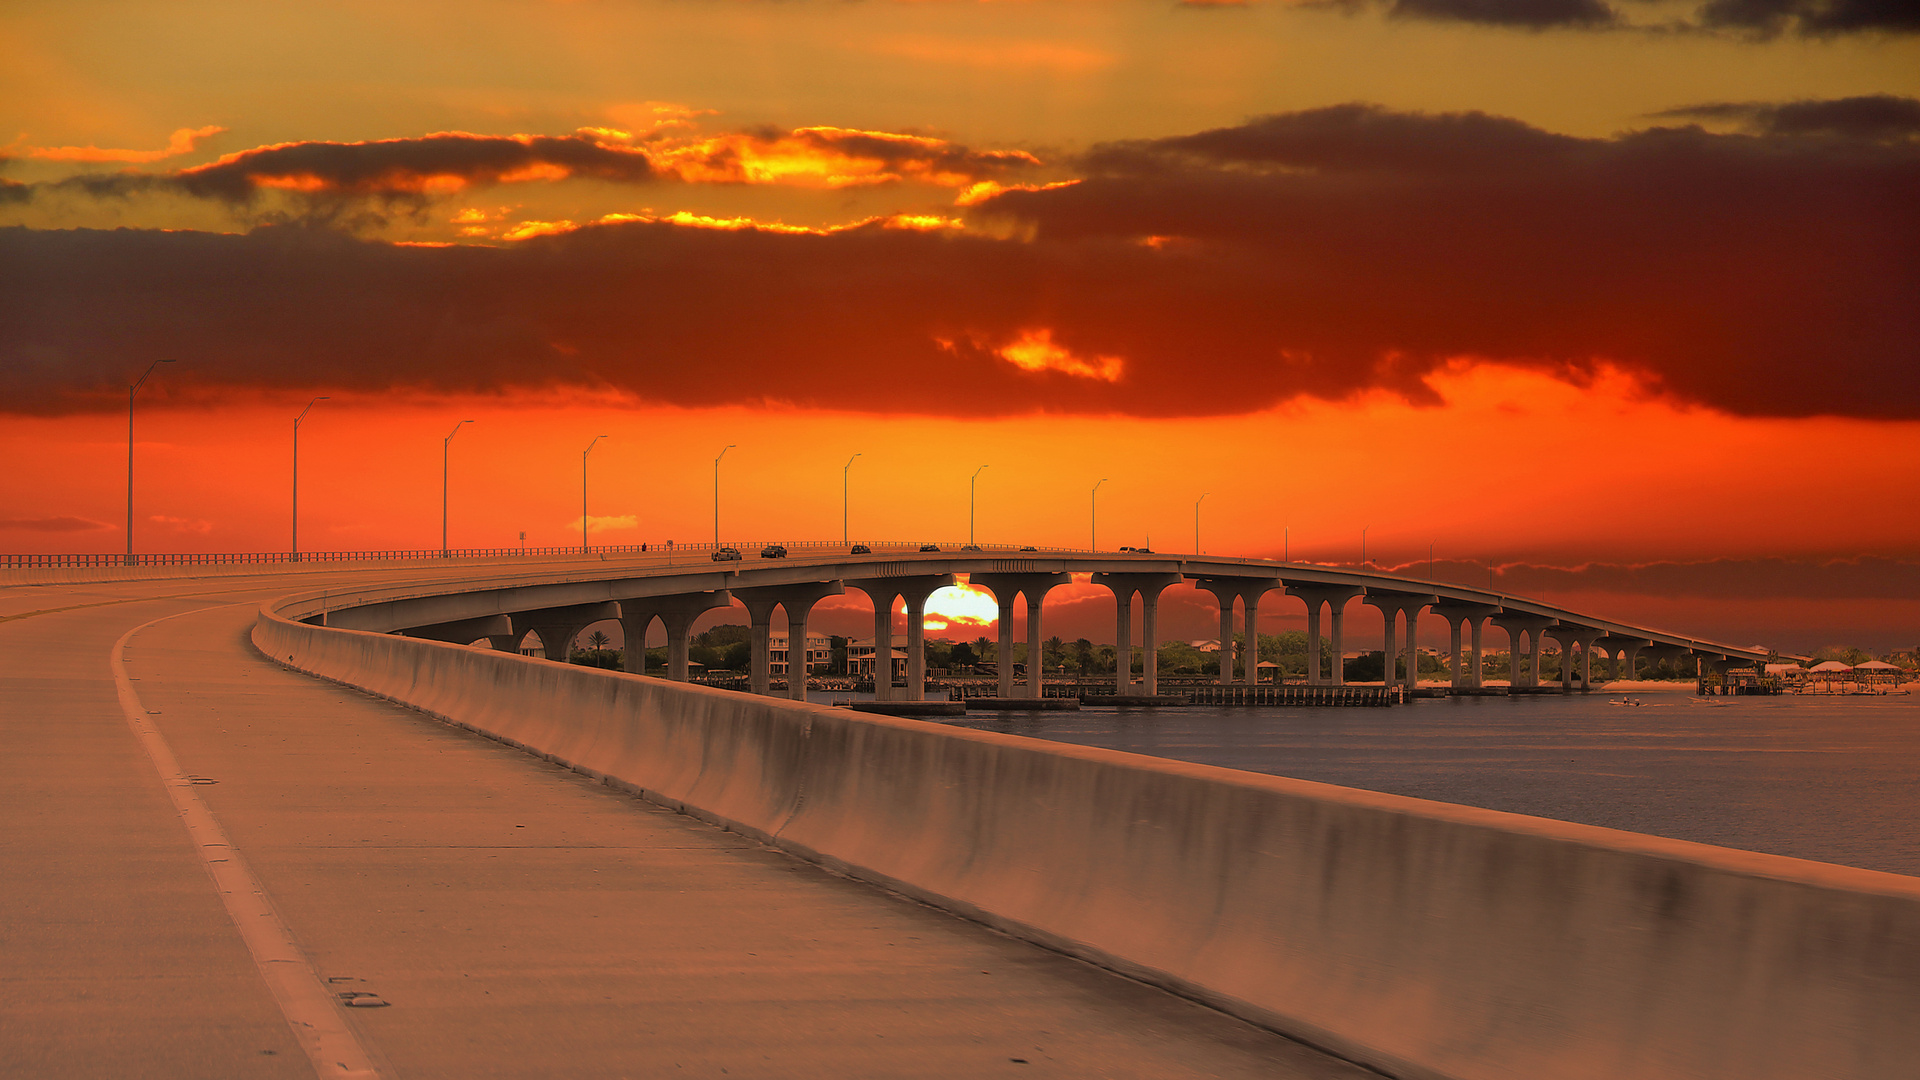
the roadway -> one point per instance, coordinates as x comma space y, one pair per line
520, 919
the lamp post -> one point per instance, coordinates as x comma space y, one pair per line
296, 473
716, 495
1363, 545
1196, 520
972, 501
583, 492
844, 470
1093, 517
131, 390
446, 449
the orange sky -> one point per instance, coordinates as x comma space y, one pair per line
1548, 298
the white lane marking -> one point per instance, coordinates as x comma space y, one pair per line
322, 1032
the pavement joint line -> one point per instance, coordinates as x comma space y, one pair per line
331, 1045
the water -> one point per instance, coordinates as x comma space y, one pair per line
1831, 779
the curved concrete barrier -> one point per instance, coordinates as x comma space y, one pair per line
1427, 940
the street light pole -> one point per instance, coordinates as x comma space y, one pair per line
844, 470
972, 502
583, 492
1093, 517
1363, 545
446, 446
1196, 520
131, 390
716, 495
296, 473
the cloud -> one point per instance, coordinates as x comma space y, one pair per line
180, 142
1813, 18
1863, 577
52, 525
1874, 117
185, 525
1524, 14
329, 177
597, 523
1325, 253
1752, 18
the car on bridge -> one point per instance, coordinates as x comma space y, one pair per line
970, 547
859, 549
773, 551
726, 554
929, 547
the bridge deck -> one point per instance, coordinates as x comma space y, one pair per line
522, 920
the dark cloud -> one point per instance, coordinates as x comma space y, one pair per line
1863, 578
1752, 18
1813, 18
1525, 14
1873, 117
333, 180
1322, 253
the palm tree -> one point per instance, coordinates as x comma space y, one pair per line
598, 640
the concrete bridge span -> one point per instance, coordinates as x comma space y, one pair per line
1424, 940
563, 603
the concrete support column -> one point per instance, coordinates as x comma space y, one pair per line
1458, 661
633, 626
1226, 639
760, 644
917, 647
1149, 643
1625, 662
1479, 626
797, 612
1413, 650
883, 649
1313, 641
1586, 664
679, 647
1123, 642
1005, 626
1535, 640
1566, 664
1339, 643
1036, 650
1389, 652
1253, 637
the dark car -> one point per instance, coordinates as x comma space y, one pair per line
929, 547
970, 547
726, 554
773, 551
1123, 547
1143, 551
860, 549
1029, 547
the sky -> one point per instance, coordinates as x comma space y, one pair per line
1611, 302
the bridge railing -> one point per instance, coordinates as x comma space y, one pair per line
265, 558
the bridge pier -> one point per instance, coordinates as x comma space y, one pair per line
558, 626
797, 601
1525, 655
1249, 590
882, 591
464, 631
1390, 605
1149, 586
1005, 588
1336, 598
676, 614
1460, 616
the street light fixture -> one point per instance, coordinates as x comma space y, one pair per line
1363, 545
131, 390
446, 445
296, 472
1093, 517
716, 495
844, 470
583, 492
1196, 520
972, 502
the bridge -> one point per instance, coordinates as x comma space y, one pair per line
434, 859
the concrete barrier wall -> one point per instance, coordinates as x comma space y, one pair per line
1427, 940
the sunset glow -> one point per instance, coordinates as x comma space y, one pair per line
1258, 252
